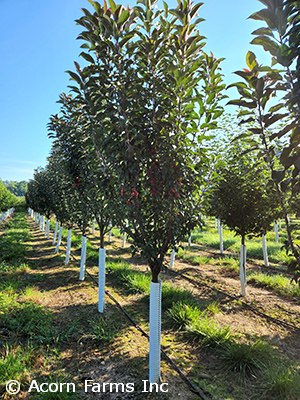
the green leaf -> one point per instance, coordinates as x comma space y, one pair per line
276, 108
263, 31
268, 44
87, 57
195, 9
266, 15
113, 5
251, 60
74, 76
242, 103
123, 17
271, 119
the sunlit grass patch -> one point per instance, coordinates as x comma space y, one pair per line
14, 363
182, 314
209, 332
31, 293
279, 283
137, 282
172, 294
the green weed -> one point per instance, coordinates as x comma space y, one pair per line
246, 359
29, 320
14, 363
172, 295
281, 382
183, 314
209, 332
137, 282
101, 330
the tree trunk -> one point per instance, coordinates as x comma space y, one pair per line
172, 258
59, 239
221, 238
276, 230
265, 250
101, 280
155, 331
69, 242
55, 233
243, 278
82, 258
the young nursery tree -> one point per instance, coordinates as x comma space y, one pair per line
146, 67
243, 197
260, 85
279, 37
75, 131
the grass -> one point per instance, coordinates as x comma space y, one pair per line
101, 330
185, 313
14, 363
18, 266
209, 237
137, 282
29, 320
209, 332
227, 262
182, 314
279, 283
172, 295
281, 382
247, 360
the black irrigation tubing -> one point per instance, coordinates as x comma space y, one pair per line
194, 388
232, 297
255, 310
198, 391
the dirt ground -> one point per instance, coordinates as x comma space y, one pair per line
125, 358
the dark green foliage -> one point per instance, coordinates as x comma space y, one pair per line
127, 140
242, 195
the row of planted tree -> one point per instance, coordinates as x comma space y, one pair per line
7, 201
133, 148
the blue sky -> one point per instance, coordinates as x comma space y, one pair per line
38, 43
